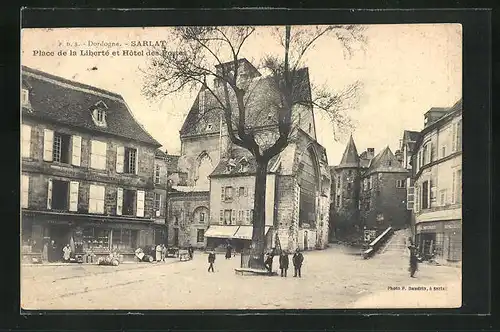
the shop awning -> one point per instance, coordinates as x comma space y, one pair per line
245, 232
221, 231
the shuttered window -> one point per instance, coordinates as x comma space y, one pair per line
26, 141
48, 142
119, 201
96, 199
140, 203
73, 196
76, 150
98, 155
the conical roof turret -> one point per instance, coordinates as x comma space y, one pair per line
350, 157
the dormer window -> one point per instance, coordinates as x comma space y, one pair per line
25, 100
209, 126
243, 164
99, 113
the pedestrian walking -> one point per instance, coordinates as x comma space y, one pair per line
211, 261
45, 252
413, 260
268, 263
53, 251
163, 253
284, 263
191, 252
66, 253
229, 250
158, 253
297, 259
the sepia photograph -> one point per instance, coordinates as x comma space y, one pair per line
241, 167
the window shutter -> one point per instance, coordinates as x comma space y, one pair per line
25, 189
26, 139
102, 196
49, 195
119, 201
246, 191
429, 183
48, 144
454, 138
410, 198
431, 146
120, 158
76, 150
73, 196
221, 217
140, 203
222, 191
136, 161
453, 188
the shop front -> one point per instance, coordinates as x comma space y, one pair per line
239, 237
442, 237
88, 236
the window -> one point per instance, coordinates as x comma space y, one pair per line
26, 141
459, 186
221, 216
209, 126
98, 155
338, 181
433, 153
228, 193
247, 217
310, 128
400, 183
95, 238
228, 217
96, 199
124, 239
128, 202
157, 202
443, 151
24, 97
425, 195
251, 216
349, 185
25, 190
241, 191
202, 216
337, 201
369, 183
350, 172
410, 198
459, 135
100, 115
241, 215
157, 174
425, 154
130, 165
200, 235
60, 149
442, 197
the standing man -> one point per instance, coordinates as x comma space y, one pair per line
269, 262
190, 251
298, 259
284, 263
158, 253
229, 250
413, 260
66, 253
163, 253
211, 261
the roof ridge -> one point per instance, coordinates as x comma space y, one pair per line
76, 84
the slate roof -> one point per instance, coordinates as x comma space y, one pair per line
260, 98
172, 163
160, 154
385, 162
350, 157
238, 159
67, 102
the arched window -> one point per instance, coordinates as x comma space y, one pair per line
308, 179
204, 168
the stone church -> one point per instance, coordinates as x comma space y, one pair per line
368, 193
214, 205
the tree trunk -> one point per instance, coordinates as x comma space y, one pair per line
259, 217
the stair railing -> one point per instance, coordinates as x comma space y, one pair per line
376, 244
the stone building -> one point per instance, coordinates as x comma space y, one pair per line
160, 180
298, 180
437, 164
368, 193
87, 169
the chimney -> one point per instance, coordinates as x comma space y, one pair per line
370, 153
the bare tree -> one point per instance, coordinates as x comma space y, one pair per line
188, 63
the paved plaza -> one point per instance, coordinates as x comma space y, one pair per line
331, 278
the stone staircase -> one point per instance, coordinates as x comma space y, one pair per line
397, 244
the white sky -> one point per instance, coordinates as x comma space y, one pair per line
405, 70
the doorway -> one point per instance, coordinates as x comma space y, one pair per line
176, 237
305, 240
60, 234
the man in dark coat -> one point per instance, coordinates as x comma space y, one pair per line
413, 260
211, 261
191, 251
229, 250
284, 263
269, 262
297, 259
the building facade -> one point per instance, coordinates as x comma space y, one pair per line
87, 173
368, 194
437, 163
297, 194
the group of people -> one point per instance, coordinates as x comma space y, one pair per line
297, 261
51, 252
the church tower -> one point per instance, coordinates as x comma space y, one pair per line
345, 192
